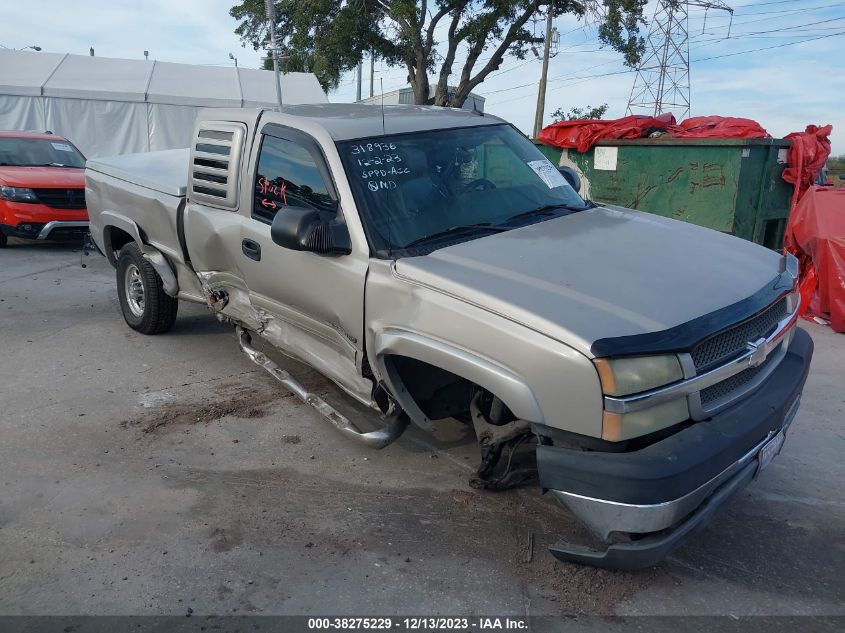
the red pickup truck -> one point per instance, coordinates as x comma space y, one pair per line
42, 188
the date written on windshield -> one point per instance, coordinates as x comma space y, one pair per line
382, 164
386, 159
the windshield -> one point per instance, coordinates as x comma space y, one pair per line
421, 191
36, 152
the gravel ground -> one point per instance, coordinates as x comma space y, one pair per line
152, 475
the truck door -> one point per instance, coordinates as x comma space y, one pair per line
315, 303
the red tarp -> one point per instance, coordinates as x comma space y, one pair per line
583, 134
807, 156
718, 127
816, 235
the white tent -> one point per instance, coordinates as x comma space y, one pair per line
118, 106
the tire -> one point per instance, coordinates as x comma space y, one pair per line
2, 239
145, 306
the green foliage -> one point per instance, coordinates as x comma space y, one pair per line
329, 37
836, 165
580, 113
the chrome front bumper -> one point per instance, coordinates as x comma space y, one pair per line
603, 517
58, 225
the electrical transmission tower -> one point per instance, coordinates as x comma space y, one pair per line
662, 82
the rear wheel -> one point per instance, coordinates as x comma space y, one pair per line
2, 239
145, 306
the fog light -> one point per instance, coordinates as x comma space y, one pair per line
27, 227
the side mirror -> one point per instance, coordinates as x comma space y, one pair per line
571, 176
301, 229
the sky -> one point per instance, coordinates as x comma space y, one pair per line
798, 80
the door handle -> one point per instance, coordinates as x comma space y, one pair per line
251, 249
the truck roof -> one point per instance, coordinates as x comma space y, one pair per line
348, 121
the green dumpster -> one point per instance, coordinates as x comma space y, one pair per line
731, 185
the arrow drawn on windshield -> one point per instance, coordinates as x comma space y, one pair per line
268, 204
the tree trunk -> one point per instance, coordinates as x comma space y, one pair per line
421, 88
441, 94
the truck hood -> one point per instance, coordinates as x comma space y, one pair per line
603, 272
43, 177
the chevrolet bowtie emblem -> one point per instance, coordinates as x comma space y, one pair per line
758, 352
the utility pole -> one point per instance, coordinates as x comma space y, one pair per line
541, 95
271, 18
358, 89
372, 71
662, 82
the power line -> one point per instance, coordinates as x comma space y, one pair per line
735, 23
799, 10
763, 4
768, 48
793, 27
575, 80
564, 78
736, 36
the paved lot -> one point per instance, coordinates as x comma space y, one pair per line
156, 474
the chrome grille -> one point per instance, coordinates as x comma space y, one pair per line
725, 388
718, 349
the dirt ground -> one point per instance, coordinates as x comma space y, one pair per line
153, 475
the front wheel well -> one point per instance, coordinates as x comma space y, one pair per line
439, 393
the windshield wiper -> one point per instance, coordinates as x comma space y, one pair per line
548, 209
461, 228
50, 165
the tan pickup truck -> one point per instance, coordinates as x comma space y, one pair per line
435, 265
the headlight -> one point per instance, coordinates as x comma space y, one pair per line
18, 194
623, 426
624, 376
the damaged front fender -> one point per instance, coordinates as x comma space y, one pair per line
495, 378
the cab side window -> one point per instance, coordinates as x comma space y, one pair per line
288, 176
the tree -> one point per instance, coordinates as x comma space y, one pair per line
580, 113
329, 37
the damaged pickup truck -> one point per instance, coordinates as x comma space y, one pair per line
435, 265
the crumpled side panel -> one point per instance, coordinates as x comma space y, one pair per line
229, 299
816, 235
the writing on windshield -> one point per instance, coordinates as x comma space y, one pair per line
379, 164
450, 185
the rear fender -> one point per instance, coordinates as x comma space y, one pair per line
112, 219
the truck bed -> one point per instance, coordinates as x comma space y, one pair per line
165, 172
147, 191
